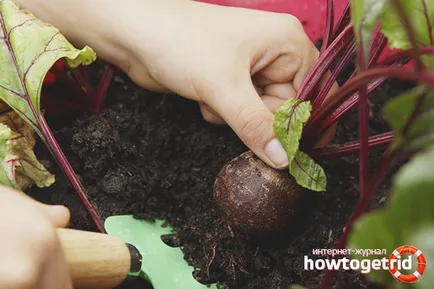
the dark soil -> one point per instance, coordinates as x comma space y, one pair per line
155, 157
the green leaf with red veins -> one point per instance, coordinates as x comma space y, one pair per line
307, 173
288, 126
421, 16
405, 220
365, 15
6, 173
399, 110
28, 49
20, 168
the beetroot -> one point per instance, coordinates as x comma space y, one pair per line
254, 198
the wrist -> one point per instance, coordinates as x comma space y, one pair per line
101, 24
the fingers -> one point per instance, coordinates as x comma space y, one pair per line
273, 96
56, 273
241, 107
58, 215
31, 254
310, 58
210, 115
327, 137
272, 102
282, 70
283, 91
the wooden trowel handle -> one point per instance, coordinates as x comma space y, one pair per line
98, 261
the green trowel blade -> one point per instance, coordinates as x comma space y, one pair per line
162, 265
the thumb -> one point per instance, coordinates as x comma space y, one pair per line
58, 215
245, 112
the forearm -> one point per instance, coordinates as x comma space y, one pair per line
103, 25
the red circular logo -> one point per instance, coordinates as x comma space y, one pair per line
396, 254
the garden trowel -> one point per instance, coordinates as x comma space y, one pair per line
131, 248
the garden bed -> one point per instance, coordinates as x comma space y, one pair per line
155, 157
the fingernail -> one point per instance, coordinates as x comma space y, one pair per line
276, 153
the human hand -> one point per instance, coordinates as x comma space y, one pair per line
31, 256
239, 64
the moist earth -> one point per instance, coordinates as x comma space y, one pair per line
154, 156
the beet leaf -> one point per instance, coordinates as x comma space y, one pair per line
416, 106
365, 15
28, 49
407, 25
288, 127
20, 168
407, 219
419, 13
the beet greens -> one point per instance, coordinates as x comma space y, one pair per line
361, 34
363, 31
24, 71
